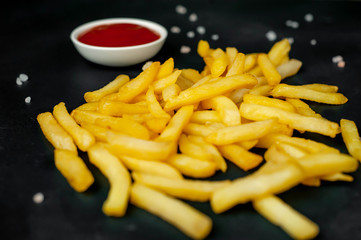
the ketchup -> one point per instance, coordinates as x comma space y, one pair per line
118, 35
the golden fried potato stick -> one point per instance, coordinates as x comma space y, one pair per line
237, 65
351, 137
119, 179
165, 69
203, 48
322, 87
160, 84
289, 68
297, 121
193, 149
288, 91
138, 85
111, 87
122, 144
73, 168
198, 129
279, 52
243, 132
226, 109
118, 109
205, 116
250, 61
151, 167
302, 107
281, 214
82, 138
154, 106
267, 101
271, 178
210, 89
171, 91
187, 219
54, 133
187, 189
192, 167
268, 69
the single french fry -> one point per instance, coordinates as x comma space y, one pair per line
193, 190
267, 101
250, 61
351, 138
117, 108
139, 84
220, 62
154, 106
157, 125
337, 177
205, 116
271, 178
289, 68
210, 89
289, 91
231, 54
301, 123
73, 168
54, 133
84, 116
237, 95
151, 167
170, 92
237, 65
197, 129
119, 179
243, 132
279, 51
203, 48
122, 144
281, 214
191, 74
193, 149
89, 106
82, 138
192, 167
268, 69
176, 124
165, 69
240, 157
322, 87
226, 108
186, 218
263, 90
111, 87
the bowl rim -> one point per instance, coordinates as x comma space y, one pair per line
146, 23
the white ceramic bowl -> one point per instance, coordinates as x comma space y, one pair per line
119, 56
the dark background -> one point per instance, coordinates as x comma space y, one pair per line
35, 40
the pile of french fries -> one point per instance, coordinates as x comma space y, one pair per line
159, 136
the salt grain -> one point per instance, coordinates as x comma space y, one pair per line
19, 82
38, 198
313, 42
215, 37
308, 17
190, 34
341, 64
175, 29
185, 49
23, 77
271, 35
180, 9
193, 17
28, 100
291, 40
337, 59
292, 24
201, 30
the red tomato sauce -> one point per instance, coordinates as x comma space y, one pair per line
118, 35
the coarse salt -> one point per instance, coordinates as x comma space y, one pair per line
292, 24
185, 49
38, 198
193, 17
28, 100
190, 34
215, 37
180, 9
175, 29
23, 77
313, 42
291, 40
341, 64
19, 82
337, 59
271, 35
308, 17
201, 30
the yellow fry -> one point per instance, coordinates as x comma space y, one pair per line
54, 133
82, 138
267, 101
279, 51
192, 167
302, 107
237, 66
165, 69
289, 68
226, 108
73, 168
154, 106
268, 69
119, 179
117, 109
186, 218
164, 82
351, 137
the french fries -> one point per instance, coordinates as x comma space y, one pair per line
167, 128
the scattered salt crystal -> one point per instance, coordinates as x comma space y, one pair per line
175, 29
28, 99
19, 82
341, 64
313, 42
38, 198
185, 49
180, 9
291, 40
337, 59
271, 35
193, 17
215, 37
201, 30
190, 34
23, 77
308, 17
292, 24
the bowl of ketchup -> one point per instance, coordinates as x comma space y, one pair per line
118, 42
